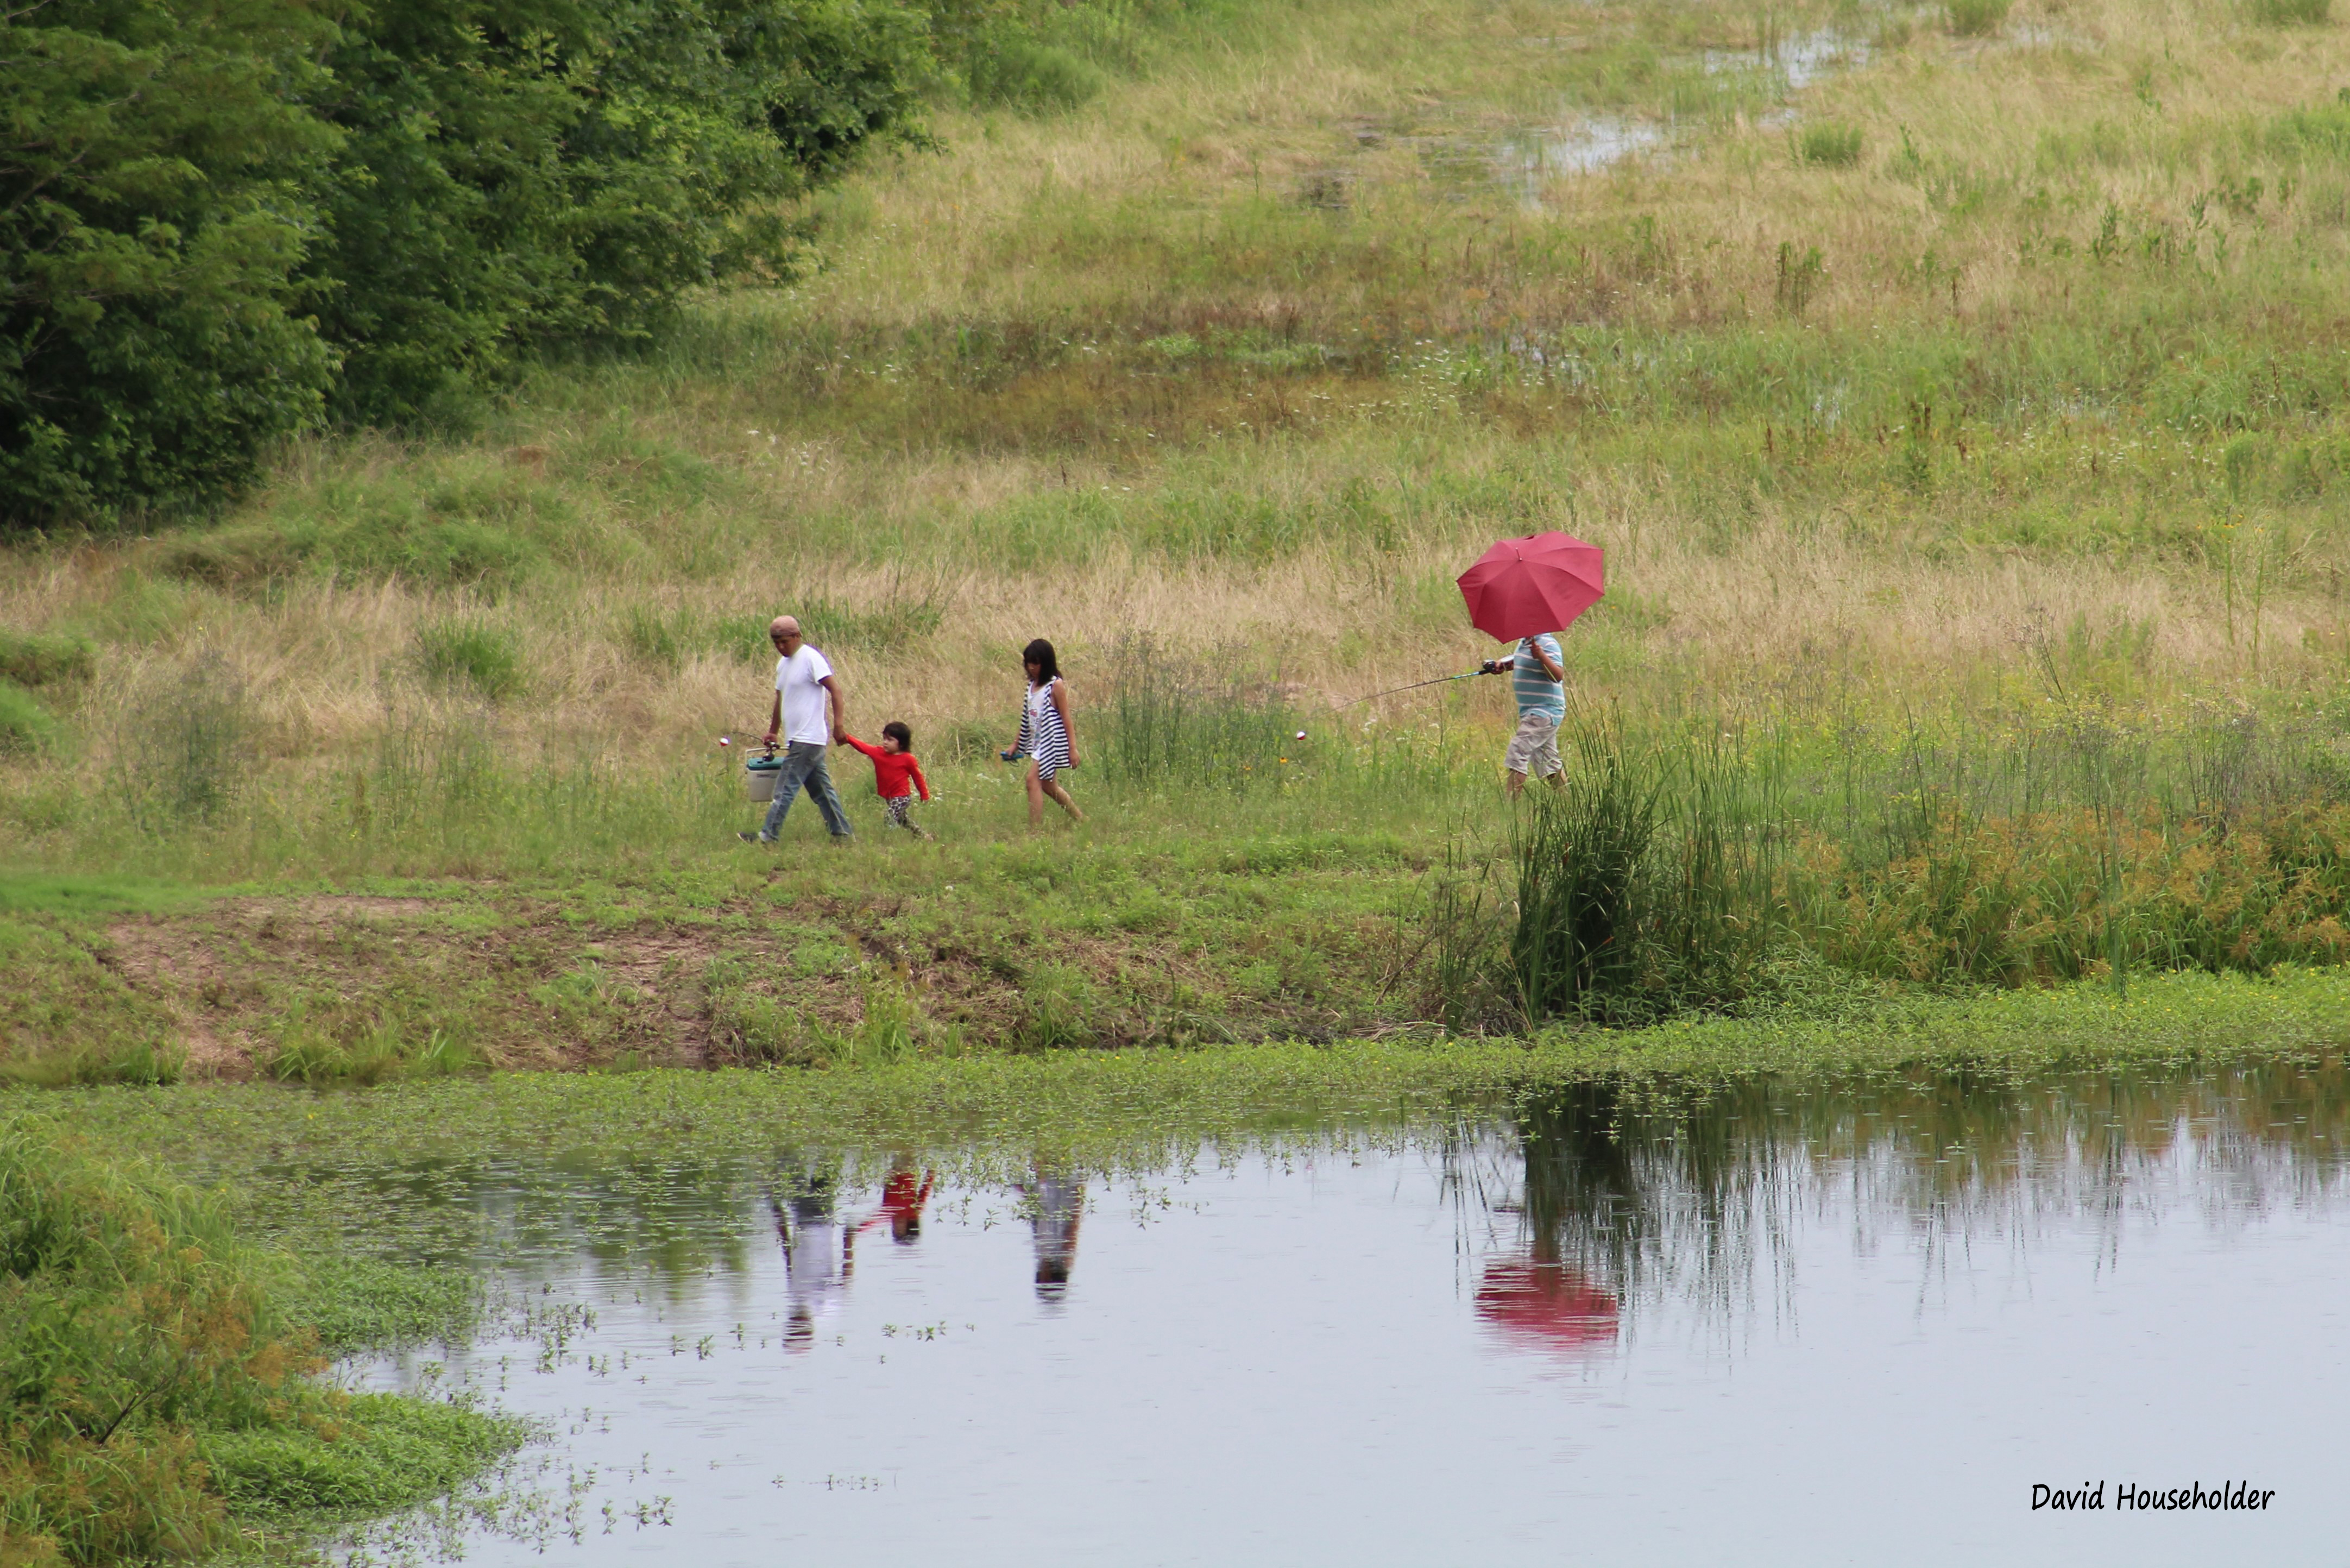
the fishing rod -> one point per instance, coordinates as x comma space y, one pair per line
1416, 685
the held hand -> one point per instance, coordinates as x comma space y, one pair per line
1491, 667
769, 739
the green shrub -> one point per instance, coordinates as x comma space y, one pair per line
750, 1027
2323, 128
1645, 885
1830, 145
1018, 70
25, 724
133, 1319
160, 1375
2291, 13
37, 659
1977, 18
829, 625
656, 637
152, 231
886, 1032
1057, 1009
219, 225
190, 759
465, 652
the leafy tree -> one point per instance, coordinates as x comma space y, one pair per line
156, 161
523, 171
221, 223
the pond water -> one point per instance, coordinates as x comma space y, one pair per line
1771, 1325
1707, 86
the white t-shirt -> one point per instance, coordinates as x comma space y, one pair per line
800, 678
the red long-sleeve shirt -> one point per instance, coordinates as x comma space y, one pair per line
891, 770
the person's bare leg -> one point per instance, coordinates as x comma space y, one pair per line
1058, 793
1517, 784
1557, 780
1035, 798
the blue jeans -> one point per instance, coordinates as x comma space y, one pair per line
804, 765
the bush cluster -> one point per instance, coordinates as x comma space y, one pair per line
154, 1379
221, 224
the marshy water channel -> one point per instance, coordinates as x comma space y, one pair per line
1761, 1323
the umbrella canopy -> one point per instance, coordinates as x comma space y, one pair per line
1545, 1304
1523, 588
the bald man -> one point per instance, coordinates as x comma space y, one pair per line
807, 715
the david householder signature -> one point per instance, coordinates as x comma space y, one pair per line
2222, 1496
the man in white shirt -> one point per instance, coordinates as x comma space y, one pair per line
808, 716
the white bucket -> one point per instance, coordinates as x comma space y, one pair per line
759, 778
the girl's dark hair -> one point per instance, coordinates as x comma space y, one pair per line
1040, 654
896, 730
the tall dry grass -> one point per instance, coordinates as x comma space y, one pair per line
1227, 359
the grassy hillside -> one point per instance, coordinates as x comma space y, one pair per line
1957, 392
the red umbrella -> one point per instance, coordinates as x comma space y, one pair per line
1546, 1304
1523, 588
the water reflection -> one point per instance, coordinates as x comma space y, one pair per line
903, 1198
1546, 1304
817, 1248
1642, 1196
1450, 1338
1059, 1203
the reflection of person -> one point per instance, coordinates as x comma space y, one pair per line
1582, 1206
902, 1198
1060, 1202
817, 1257
1539, 681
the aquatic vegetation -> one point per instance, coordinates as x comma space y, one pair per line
160, 1378
996, 1113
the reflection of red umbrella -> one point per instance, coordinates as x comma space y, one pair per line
1545, 1304
1523, 588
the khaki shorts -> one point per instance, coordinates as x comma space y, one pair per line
1535, 748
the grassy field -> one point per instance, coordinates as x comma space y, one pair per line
1962, 394
1959, 395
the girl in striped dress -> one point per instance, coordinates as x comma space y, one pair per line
1046, 736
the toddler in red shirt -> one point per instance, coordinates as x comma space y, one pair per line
893, 767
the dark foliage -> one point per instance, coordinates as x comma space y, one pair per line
156, 169
220, 224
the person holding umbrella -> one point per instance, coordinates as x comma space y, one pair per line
1540, 680
1526, 591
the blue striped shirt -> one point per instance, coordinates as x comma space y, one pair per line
1537, 692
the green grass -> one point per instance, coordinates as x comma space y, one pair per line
2291, 13
1236, 883
469, 654
162, 1370
57, 893
35, 658
25, 725
1829, 144
1977, 18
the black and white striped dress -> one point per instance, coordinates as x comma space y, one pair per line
1042, 734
